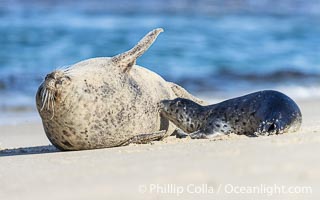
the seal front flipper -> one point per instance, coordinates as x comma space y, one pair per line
270, 128
127, 59
180, 133
145, 138
198, 135
194, 135
201, 134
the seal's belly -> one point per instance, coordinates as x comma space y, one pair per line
93, 119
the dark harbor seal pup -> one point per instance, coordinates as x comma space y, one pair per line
260, 113
106, 102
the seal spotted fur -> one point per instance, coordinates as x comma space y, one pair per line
106, 102
260, 113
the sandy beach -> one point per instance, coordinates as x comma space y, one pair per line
230, 167
216, 50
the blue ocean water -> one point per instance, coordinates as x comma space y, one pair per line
215, 50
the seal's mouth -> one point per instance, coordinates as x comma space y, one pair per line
47, 94
47, 97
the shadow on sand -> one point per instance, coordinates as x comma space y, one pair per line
29, 150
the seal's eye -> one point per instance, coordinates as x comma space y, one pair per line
61, 81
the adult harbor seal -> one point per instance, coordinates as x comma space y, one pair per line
260, 113
106, 102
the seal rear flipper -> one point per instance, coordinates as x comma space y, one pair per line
145, 138
273, 127
127, 59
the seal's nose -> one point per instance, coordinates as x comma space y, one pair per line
53, 75
49, 76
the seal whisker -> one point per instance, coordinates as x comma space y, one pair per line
49, 99
69, 73
63, 68
67, 69
45, 100
42, 93
52, 104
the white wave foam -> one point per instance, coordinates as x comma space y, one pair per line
295, 92
301, 92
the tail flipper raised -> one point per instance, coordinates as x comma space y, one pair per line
127, 59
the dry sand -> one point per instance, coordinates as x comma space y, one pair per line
230, 167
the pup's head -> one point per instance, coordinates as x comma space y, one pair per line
182, 112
